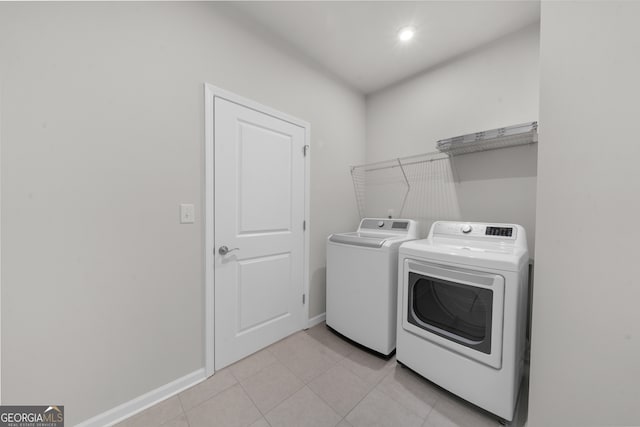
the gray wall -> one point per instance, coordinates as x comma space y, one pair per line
585, 350
102, 137
493, 86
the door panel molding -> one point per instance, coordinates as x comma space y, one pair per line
211, 93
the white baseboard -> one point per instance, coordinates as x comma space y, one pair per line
140, 403
316, 320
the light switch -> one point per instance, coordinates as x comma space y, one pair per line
187, 213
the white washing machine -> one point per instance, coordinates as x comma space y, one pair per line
462, 307
362, 278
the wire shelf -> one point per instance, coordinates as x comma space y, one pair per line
408, 182
511, 136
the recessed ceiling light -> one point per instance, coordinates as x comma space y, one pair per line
406, 34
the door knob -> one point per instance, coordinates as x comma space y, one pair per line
225, 250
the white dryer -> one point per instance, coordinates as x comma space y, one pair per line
462, 307
362, 281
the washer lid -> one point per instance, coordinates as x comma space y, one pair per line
369, 240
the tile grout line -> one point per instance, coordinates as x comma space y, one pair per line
301, 379
210, 397
325, 402
264, 415
316, 345
184, 413
324, 342
374, 384
323, 347
285, 367
306, 384
369, 392
247, 393
180, 400
254, 403
266, 420
335, 363
438, 396
329, 405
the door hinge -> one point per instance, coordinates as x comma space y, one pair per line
303, 298
305, 148
304, 225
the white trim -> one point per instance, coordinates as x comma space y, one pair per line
209, 186
140, 403
0, 253
214, 91
317, 320
210, 93
307, 217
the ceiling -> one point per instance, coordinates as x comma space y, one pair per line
356, 41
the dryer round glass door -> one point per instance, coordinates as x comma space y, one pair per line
461, 313
455, 308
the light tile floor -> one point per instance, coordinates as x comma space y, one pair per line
314, 378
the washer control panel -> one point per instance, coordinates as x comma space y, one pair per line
396, 225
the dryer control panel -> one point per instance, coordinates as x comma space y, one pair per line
475, 230
499, 231
470, 235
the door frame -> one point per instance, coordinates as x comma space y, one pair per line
210, 93
0, 248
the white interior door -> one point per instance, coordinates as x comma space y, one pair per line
259, 205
